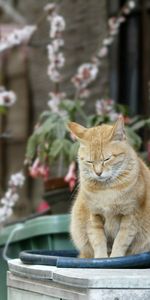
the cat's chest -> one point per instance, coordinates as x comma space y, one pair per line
111, 226
105, 202
108, 204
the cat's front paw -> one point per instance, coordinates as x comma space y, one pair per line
100, 255
85, 255
116, 254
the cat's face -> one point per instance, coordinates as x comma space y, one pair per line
102, 162
103, 153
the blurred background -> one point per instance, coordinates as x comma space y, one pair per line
124, 74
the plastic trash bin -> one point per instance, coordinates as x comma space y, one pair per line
46, 232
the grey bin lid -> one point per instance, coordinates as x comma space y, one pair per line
84, 278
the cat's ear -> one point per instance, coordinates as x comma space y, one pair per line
77, 130
118, 133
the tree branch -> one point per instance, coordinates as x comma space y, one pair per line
9, 10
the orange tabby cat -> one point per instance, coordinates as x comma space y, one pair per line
111, 214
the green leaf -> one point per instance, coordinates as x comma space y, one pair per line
135, 119
32, 146
3, 110
56, 148
60, 129
46, 127
122, 109
133, 138
94, 120
67, 146
68, 105
74, 150
139, 125
46, 114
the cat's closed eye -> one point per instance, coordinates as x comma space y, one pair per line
89, 161
108, 158
105, 159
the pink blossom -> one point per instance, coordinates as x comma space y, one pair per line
86, 73
43, 205
44, 171
33, 172
34, 169
127, 120
73, 137
71, 175
39, 170
72, 183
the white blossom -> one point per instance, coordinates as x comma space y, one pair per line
113, 116
17, 37
54, 105
5, 212
56, 58
131, 4
54, 102
60, 60
113, 25
85, 93
11, 196
57, 25
104, 106
121, 19
53, 74
50, 7
57, 43
7, 98
17, 179
103, 52
8, 194
108, 41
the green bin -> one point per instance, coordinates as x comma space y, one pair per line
46, 232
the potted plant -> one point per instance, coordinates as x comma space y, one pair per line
51, 149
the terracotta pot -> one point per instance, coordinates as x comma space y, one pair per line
55, 183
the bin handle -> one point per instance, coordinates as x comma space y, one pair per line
18, 227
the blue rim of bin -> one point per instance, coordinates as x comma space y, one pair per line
68, 259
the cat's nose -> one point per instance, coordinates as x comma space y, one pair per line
98, 173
